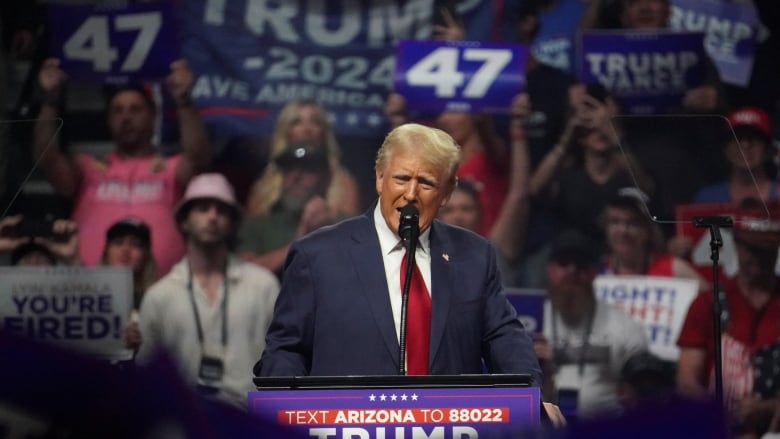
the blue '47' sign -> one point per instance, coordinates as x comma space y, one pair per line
459, 76
114, 44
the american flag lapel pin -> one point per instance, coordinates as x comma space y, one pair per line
446, 257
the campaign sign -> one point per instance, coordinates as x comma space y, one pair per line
731, 32
529, 304
114, 43
647, 72
84, 308
384, 413
660, 304
436, 76
253, 57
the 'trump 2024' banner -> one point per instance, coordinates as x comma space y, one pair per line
385, 413
647, 72
252, 57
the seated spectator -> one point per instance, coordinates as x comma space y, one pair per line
646, 380
462, 209
750, 156
304, 120
635, 244
585, 343
301, 207
135, 179
752, 170
129, 244
750, 309
29, 246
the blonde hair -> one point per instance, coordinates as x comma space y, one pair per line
435, 147
267, 190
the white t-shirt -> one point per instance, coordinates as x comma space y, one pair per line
613, 338
167, 322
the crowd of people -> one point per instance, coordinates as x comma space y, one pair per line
294, 275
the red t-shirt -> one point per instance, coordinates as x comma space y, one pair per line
751, 327
492, 183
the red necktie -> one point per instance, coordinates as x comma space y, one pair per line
418, 322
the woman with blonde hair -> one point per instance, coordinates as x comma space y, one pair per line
304, 120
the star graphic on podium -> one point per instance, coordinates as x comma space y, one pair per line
404, 397
414, 397
393, 397
372, 397
383, 397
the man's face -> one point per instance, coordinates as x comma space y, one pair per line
130, 120
208, 222
756, 264
301, 183
570, 289
406, 178
461, 210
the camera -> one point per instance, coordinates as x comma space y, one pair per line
31, 228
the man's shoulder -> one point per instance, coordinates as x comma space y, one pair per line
335, 232
457, 235
253, 273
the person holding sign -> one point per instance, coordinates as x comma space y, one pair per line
211, 312
585, 342
339, 309
135, 179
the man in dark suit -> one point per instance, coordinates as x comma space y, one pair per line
338, 312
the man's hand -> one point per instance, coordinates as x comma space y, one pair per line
180, 82
554, 413
452, 30
8, 241
51, 79
66, 244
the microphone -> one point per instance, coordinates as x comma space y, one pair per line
409, 226
408, 230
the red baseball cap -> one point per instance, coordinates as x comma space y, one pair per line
751, 117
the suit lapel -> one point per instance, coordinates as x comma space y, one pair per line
370, 269
442, 284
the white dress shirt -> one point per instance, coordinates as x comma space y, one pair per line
392, 254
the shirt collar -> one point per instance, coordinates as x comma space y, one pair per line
388, 240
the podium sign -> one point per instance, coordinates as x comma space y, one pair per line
400, 412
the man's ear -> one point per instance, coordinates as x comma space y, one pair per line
380, 174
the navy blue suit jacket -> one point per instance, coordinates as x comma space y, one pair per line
333, 315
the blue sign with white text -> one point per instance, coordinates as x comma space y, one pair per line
467, 76
114, 44
731, 33
647, 72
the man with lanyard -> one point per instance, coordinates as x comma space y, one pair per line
211, 312
585, 342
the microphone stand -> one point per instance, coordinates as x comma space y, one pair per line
409, 230
714, 223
